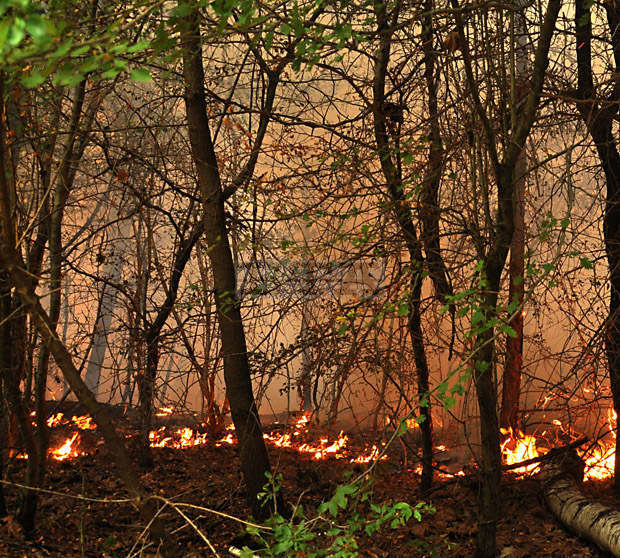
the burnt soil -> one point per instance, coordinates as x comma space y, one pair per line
209, 476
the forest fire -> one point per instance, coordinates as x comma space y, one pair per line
67, 450
186, 437
599, 458
516, 447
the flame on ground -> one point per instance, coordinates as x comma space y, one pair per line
67, 450
55, 420
600, 460
519, 447
84, 422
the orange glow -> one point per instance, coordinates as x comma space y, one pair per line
516, 447
163, 412
373, 455
519, 448
55, 420
600, 460
66, 450
181, 438
324, 448
84, 422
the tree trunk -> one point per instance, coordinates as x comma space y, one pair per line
252, 449
600, 524
386, 125
5, 369
493, 263
511, 388
12, 267
147, 385
599, 122
429, 196
111, 270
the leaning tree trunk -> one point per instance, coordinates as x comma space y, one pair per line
595, 522
252, 449
13, 268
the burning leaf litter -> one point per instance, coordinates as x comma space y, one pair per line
516, 447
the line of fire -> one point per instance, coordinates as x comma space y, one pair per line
309, 278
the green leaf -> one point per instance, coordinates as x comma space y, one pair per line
37, 27
80, 50
138, 47
5, 27
509, 331
17, 32
268, 40
140, 75
32, 80
585, 262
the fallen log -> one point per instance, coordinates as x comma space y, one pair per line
561, 478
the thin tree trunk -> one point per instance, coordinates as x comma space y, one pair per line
429, 198
5, 369
252, 449
152, 336
24, 285
404, 219
493, 264
599, 122
511, 388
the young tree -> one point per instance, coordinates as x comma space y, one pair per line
492, 261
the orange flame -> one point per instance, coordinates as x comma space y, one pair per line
84, 422
600, 460
66, 450
55, 420
517, 448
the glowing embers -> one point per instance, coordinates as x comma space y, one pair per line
56, 420
84, 422
181, 438
163, 412
324, 448
68, 449
229, 438
600, 459
372, 455
519, 447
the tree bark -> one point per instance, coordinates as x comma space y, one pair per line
493, 262
599, 123
153, 332
511, 388
429, 198
600, 524
402, 212
12, 267
252, 449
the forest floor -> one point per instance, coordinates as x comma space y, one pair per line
209, 476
